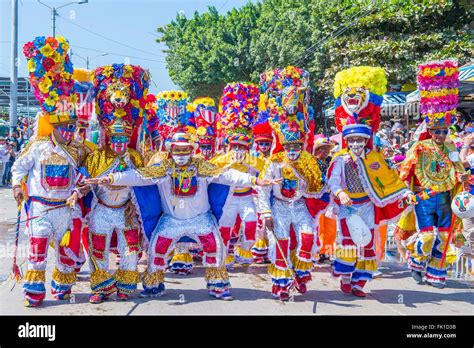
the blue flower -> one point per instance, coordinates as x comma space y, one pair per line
39, 41
135, 112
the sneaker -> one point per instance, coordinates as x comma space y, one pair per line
224, 296
153, 292
62, 297
417, 276
346, 288
358, 293
97, 298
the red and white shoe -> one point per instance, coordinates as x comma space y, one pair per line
346, 288
358, 293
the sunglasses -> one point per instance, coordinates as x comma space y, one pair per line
119, 139
440, 131
264, 144
206, 147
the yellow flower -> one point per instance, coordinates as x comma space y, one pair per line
201, 131
55, 56
119, 113
53, 96
108, 70
61, 39
65, 46
31, 65
135, 103
50, 102
44, 85
73, 98
127, 71
46, 50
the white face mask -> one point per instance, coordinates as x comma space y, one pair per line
181, 160
238, 155
293, 155
357, 147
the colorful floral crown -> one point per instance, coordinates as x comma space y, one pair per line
172, 113
204, 114
367, 84
50, 71
239, 108
438, 83
287, 93
120, 97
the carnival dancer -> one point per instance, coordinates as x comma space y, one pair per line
325, 226
365, 190
183, 181
112, 210
287, 96
47, 167
173, 112
433, 166
239, 105
263, 139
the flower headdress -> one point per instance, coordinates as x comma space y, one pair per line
438, 83
120, 98
287, 100
172, 113
84, 89
239, 108
50, 71
204, 114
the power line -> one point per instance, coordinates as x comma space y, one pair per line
117, 54
109, 39
310, 50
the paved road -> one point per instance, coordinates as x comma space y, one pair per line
394, 293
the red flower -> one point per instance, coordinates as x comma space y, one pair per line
293, 127
48, 63
29, 50
52, 42
108, 107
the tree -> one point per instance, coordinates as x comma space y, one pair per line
321, 36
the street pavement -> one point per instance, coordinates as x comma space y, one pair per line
394, 293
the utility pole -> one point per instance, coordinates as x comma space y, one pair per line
54, 11
14, 68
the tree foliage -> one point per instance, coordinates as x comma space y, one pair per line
322, 36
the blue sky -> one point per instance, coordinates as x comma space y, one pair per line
125, 29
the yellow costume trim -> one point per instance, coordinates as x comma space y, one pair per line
153, 279
126, 277
203, 167
261, 244
216, 273
384, 183
101, 160
182, 257
366, 265
247, 254
157, 157
99, 276
230, 259
35, 276
64, 278
421, 156
279, 273
306, 166
346, 254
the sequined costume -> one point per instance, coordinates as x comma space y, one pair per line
50, 171
433, 169
186, 213
374, 190
47, 167
238, 222
287, 97
110, 217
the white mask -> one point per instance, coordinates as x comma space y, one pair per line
357, 147
181, 160
293, 155
238, 155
